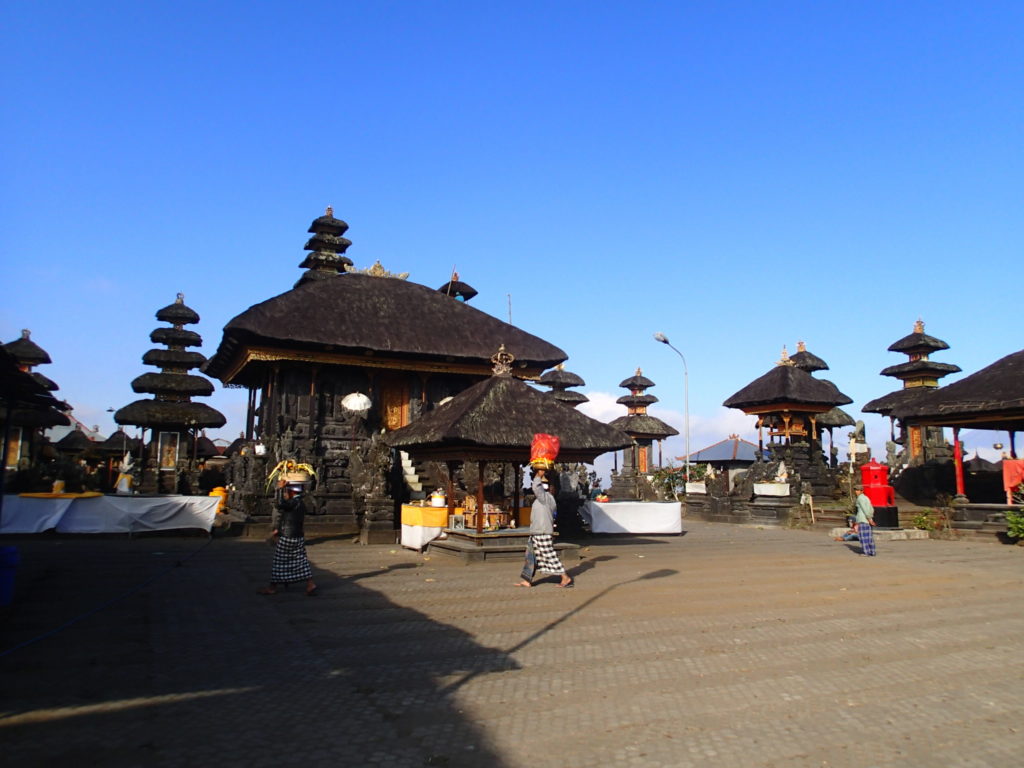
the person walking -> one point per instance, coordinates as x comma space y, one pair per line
290, 561
865, 521
540, 549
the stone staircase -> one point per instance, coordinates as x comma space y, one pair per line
413, 477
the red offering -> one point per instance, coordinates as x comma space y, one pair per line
544, 451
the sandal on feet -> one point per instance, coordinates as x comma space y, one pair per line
568, 585
523, 584
266, 591
313, 592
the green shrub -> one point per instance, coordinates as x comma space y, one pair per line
1015, 523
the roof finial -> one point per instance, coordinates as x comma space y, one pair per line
784, 359
329, 211
25, 333
801, 347
638, 371
502, 362
919, 326
180, 299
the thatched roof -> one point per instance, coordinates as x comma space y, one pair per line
177, 383
75, 441
978, 464
808, 361
570, 398
118, 443
236, 445
559, 378
644, 425
837, 417
176, 337
45, 382
177, 313
886, 403
497, 418
457, 288
787, 384
359, 314
26, 351
173, 358
158, 413
636, 381
992, 398
636, 401
205, 447
920, 368
30, 401
918, 342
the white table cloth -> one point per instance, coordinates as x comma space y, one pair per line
108, 514
418, 536
634, 516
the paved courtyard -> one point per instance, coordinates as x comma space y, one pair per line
727, 646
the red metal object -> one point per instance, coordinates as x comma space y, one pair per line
875, 479
958, 463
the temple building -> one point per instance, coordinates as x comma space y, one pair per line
339, 359
788, 401
637, 461
919, 375
25, 425
560, 380
175, 422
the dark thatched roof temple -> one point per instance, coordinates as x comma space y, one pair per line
345, 357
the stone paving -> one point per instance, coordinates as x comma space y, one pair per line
727, 646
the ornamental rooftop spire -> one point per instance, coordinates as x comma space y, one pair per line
327, 248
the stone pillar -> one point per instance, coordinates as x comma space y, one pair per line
378, 522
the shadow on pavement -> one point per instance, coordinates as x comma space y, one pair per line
195, 668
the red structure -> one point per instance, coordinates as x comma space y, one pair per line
875, 479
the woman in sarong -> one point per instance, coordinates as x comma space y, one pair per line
290, 561
540, 550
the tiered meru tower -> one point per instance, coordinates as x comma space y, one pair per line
919, 376
560, 380
174, 420
644, 429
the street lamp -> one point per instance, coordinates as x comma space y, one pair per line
659, 336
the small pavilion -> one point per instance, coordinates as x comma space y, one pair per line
789, 400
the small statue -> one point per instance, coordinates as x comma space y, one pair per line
782, 474
890, 454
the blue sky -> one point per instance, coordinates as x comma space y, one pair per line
737, 175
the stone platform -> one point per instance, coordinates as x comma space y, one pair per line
468, 546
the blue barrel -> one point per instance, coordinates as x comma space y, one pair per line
8, 565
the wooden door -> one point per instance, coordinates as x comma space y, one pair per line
394, 402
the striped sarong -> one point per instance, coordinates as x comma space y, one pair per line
290, 561
867, 538
541, 556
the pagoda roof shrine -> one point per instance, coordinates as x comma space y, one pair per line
919, 374
560, 380
173, 387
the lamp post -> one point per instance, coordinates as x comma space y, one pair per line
659, 336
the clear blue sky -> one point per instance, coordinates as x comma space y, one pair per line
736, 175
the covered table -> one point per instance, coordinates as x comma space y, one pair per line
633, 516
421, 525
94, 513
